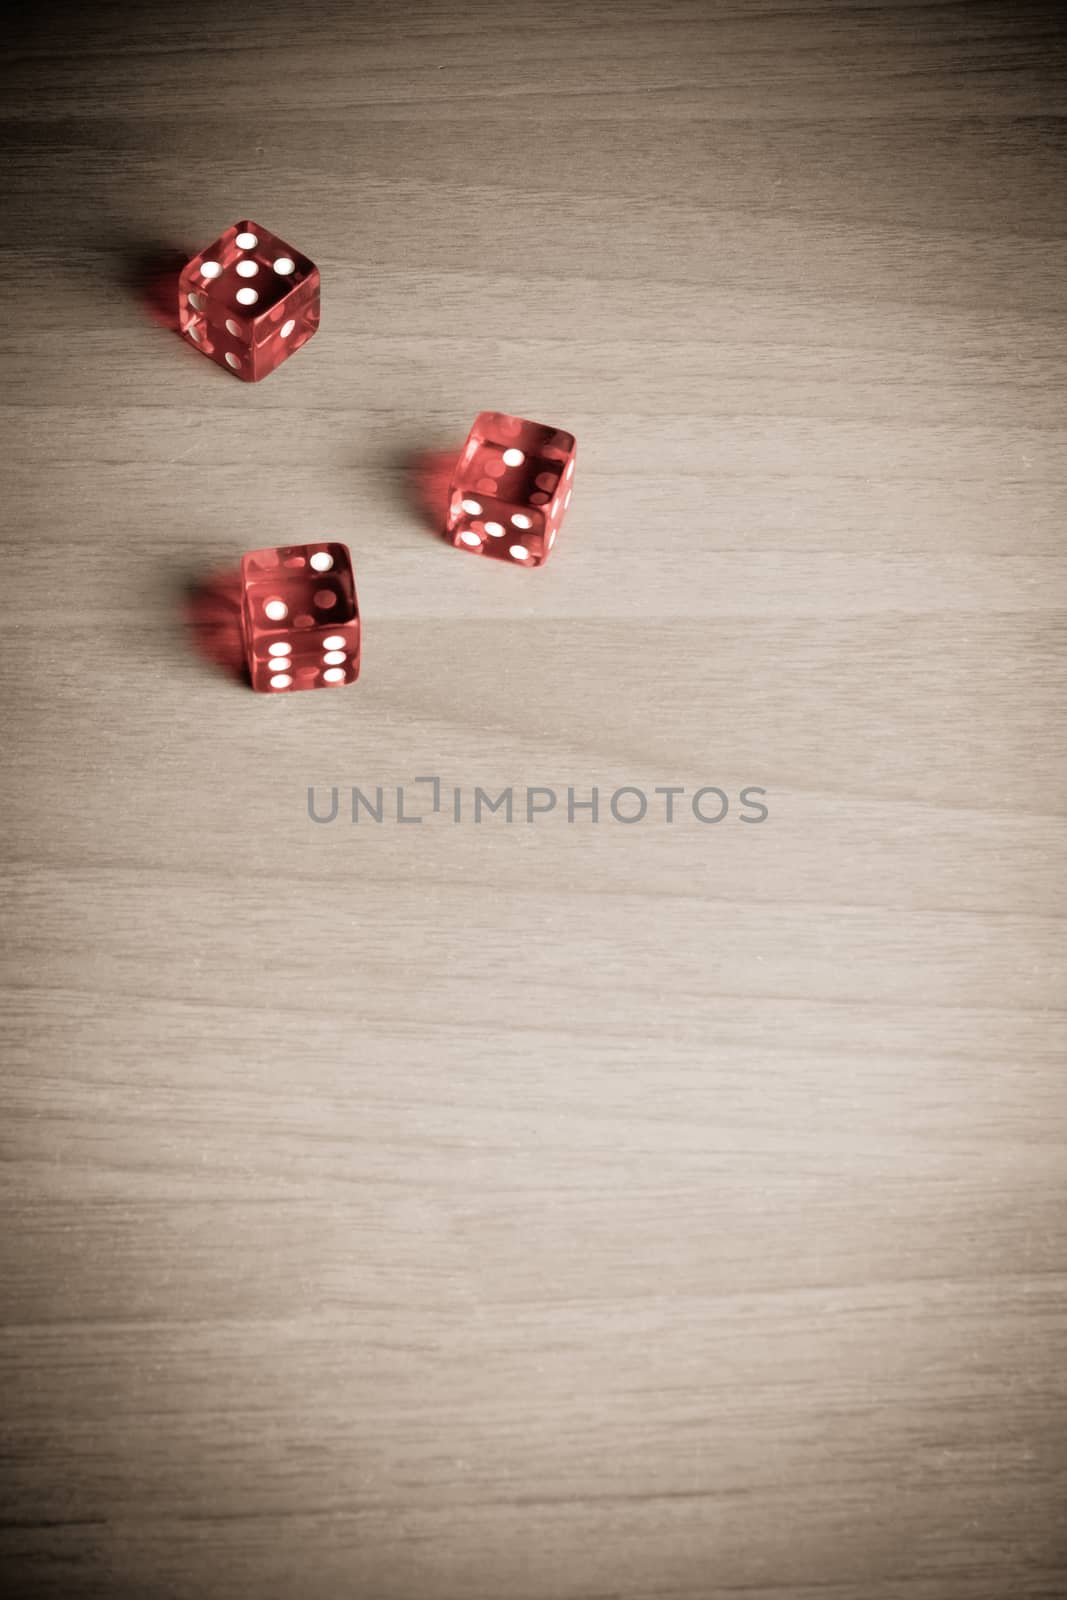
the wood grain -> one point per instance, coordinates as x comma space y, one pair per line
552, 1211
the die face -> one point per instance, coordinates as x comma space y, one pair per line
300, 617
249, 300
510, 489
489, 526
282, 330
320, 658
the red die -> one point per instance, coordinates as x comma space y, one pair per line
510, 488
249, 300
300, 617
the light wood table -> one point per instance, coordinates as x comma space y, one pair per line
554, 1210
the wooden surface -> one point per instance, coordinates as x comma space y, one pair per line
548, 1212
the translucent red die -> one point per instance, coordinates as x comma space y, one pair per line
249, 300
300, 617
510, 489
